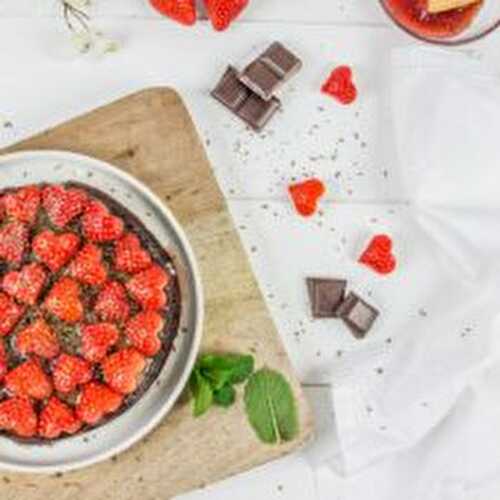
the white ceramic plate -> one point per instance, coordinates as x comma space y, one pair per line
126, 429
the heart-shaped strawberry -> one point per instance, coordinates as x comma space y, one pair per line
10, 314
69, 372
55, 249
143, 329
95, 401
63, 205
223, 12
13, 241
64, 301
22, 204
148, 287
57, 418
88, 267
112, 303
340, 85
378, 255
130, 257
182, 11
99, 225
39, 339
25, 285
122, 370
305, 195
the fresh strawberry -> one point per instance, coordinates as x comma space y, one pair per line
112, 304
182, 11
69, 372
63, 205
95, 401
305, 196
97, 339
28, 379
99, 225
3, 361
223, 12
39, 339
130, 257
55, 250
143, 329
13, 240
57, 418
123, 369
88, 267
378, 255
340, 85
25, 285
18, 416
148, 287
10, 314
64, 301
23, 204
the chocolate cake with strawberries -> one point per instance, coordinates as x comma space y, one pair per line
89, 309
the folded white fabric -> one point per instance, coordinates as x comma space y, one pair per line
446, 138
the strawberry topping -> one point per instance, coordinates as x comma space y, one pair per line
28, 379
13, 241
25, 285
63, 205
97, 339
55, 250
69, 372
143, 329
18, 416
97, 400
10, 314
39, 339
88, 267
64, 301
148, 287
112, 303
57, 418
122, 370
99, 225
130, 257
22, 204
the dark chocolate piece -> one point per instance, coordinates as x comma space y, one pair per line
357, 314
270, 70
257, 112
251, 108
325, 296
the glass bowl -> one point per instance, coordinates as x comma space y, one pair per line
486, 21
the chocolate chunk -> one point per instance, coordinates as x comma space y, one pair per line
251, 108
257, 112
357, 314
270, 71
230, 91
325, 296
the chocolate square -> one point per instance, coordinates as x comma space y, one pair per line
325, 296
281, 61
261, 79
358, 315
257, 112
230, 91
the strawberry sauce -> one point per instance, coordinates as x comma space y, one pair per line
413, 15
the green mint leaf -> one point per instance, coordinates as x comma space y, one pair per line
225, 396
270, 407
226, 369
202, 393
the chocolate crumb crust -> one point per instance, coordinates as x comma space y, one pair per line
67, 335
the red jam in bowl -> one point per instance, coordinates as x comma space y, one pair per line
413, 15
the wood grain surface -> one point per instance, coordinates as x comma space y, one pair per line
151, 135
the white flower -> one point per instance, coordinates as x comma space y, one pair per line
82, 41
104, 44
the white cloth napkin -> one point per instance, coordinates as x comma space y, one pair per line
445, 113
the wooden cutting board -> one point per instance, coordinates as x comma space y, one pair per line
151, 135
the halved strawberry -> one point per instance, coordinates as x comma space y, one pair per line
39, 339
305, 195
223, 12
13, 241
64, 301
54, 250
63, 205
18, 416
97, 339
25, 285
122, 370
3, 361
69, 372
130, 257
99, 225
143, 329
22, 204
28, 379
182, 11
148, 287
95, 401
57, 418
88, 267
10, 314
112, 304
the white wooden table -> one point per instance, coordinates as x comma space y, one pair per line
41, 85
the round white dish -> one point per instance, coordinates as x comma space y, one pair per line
123, 431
